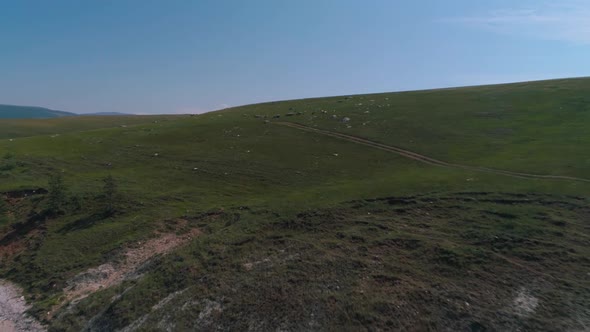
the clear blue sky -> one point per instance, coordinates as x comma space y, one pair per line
171, 56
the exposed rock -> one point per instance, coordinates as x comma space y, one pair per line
525, 304
13, 316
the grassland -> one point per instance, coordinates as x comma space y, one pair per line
302, 230
16, 128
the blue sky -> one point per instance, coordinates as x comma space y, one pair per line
174, 56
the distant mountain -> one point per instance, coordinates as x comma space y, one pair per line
30, 112
105, 114
33, 112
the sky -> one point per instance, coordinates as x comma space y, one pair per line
182, 56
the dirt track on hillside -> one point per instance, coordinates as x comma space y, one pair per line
113, 273
126, 267
426, 159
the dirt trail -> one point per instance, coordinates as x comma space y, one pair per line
113, 273
13, 317
426, 159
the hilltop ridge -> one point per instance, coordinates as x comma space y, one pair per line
30, 112
35, 112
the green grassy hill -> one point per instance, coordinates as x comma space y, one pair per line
29, 112
460, 209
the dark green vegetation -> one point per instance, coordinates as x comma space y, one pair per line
306, 231
29, 112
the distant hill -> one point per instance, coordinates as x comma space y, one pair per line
33, 112
30, 112
105, 114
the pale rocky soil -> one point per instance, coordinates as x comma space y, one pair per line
13, 307
115, 272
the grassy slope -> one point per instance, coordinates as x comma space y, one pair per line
295, 186
537, 127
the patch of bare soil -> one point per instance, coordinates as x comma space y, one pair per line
11, 249
113, 273
524, 303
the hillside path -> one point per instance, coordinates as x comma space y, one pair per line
423, 158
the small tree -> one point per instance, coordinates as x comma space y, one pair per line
109, 193
57, 193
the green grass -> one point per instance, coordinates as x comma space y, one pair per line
538, 127
302, 201
16, 128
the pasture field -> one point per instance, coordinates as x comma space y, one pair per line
460, 209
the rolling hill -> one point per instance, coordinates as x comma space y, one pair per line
453, 209
33, 112
18, 128
30, 112
106, 114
